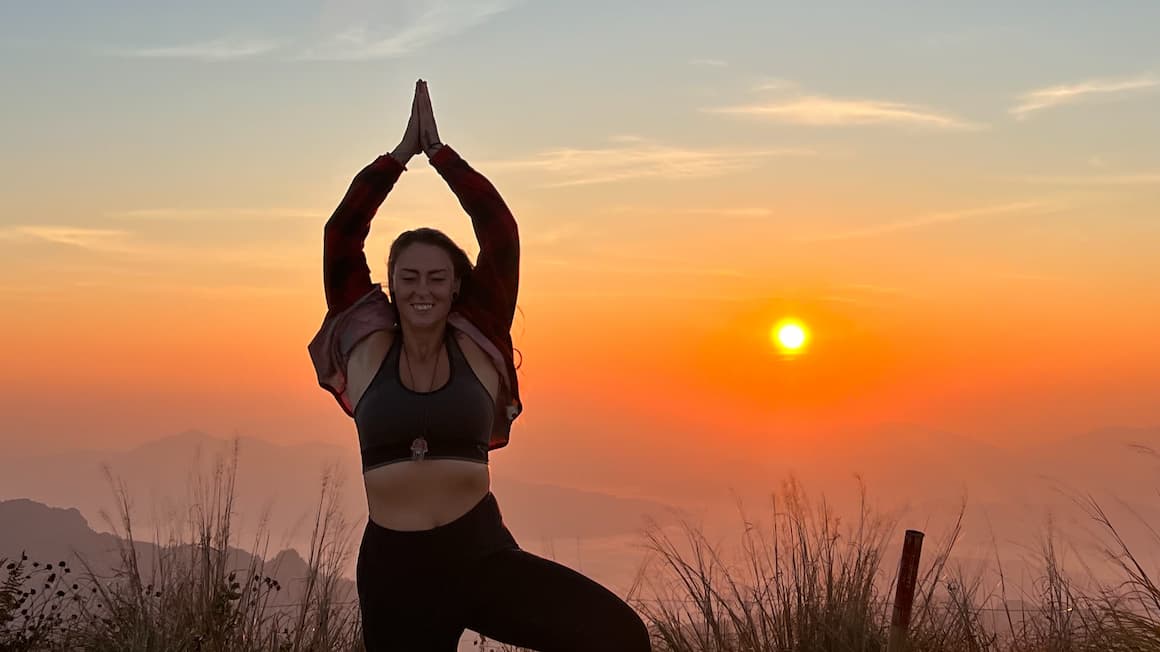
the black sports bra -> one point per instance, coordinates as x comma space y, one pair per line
398, 424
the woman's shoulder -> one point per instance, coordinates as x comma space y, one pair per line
465, 331
343, 334
465, 342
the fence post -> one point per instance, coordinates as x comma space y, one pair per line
904, 595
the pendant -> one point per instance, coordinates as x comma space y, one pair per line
418, 448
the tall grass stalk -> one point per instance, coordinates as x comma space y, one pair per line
191, 596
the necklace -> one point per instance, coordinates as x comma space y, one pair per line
419, 444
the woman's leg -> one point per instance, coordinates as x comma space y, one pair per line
404, 605
517, 598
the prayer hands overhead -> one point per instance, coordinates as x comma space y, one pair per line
411, 144
428, 130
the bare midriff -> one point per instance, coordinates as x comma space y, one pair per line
424, 494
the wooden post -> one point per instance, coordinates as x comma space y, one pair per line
904, 596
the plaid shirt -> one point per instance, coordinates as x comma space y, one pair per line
356, 307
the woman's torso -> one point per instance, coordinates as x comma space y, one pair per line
421, 495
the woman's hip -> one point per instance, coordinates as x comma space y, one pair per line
475, 534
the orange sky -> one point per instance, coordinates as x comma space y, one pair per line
1017, 361
972, 252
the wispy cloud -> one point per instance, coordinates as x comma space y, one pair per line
665, 268
816, 110
216, 50
1139, 179
970, 36
555, 234
1045, 98
737, 212
1027, 276
206, 291
637, 158
867, 294
217, 214
770, 84
1014, 208
129, 249
872, 288
614, 258
439, 19
708, 63
98, 240
121, 283
624, 258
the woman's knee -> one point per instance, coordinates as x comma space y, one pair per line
636, 635
623, 630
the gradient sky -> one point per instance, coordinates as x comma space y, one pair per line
963, 205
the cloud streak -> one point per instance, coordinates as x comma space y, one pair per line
816, 110
98, 240
1014, 208
216, 50
217, 214
1052, 96
638, 159
872, 288
438, 20
736, 213
121, 244
1141, 179
769, 84
667, 268
726, 212
555, 235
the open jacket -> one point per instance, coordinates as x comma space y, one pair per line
356, 307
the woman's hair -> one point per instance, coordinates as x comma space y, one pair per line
461, 264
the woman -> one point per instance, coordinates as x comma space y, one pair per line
429, 378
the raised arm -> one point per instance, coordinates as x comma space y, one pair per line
345, 274
497, 269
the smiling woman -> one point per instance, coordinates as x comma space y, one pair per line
429, 379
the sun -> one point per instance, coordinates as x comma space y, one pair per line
790, 336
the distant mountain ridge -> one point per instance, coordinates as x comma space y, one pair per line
1010, 492
53, 534
286, 479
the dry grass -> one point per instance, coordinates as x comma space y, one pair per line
808, 581
807, 584
190, 599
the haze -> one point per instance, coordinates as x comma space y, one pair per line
960, 205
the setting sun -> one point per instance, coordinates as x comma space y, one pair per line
789, 335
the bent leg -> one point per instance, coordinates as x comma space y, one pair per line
521, 599
403, 608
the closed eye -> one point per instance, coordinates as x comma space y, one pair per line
412, 279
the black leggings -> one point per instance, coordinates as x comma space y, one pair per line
419, 590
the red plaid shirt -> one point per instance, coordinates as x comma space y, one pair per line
356, 307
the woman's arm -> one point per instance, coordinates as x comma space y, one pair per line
497, 269
345, 274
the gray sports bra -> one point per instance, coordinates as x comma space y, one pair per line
397, 424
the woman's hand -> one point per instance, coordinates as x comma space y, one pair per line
428, 131
411, 144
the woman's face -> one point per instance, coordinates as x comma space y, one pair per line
424, 280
